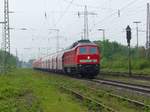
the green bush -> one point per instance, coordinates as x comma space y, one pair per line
11, 60
115, 56
141, 64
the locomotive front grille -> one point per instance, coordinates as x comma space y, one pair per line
90, 68
88, 60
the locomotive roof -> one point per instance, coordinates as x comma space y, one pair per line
78, 43
81, 42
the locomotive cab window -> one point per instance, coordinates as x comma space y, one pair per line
93, 50
82, 50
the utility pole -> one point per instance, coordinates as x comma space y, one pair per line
17, 59
86, 27
2, 64
6, 38
148, 31
57, 47
137, 32
57, 39
103, 30
147, 25
3, 35
6, 27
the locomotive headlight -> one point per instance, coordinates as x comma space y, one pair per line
88, 57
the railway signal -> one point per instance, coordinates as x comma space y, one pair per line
128, 36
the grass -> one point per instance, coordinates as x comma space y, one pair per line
119, 63
32, 91
125, 79
83, 87
145, 71
29, 91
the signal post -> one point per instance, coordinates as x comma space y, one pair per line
128, 36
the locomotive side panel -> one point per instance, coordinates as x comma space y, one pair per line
70, 58
50, 58
81, 58
60, 62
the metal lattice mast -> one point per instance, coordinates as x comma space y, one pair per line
86, 28
6, 27
6, 38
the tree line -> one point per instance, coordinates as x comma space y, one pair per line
115, 56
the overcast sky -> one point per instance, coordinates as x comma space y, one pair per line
40, 15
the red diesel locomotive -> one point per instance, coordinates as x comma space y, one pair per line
81, 59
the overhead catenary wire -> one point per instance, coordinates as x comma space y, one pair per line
129, 4
114, 13
46, 14
75, 4
71, 2
78, 5
63, 14
90, 6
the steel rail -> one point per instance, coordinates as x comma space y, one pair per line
78, 95
137, 103
140, 76
123, 82
138, 88
83, 97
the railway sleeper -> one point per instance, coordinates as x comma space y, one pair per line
91, 103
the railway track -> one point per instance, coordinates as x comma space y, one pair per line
99, 105
135, 87
96, 100
139, 76
137, 103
